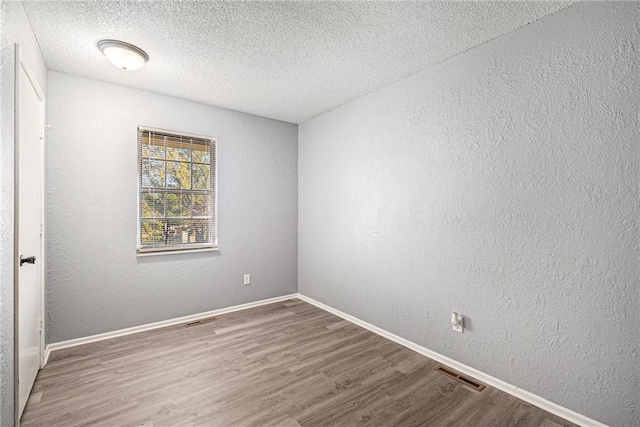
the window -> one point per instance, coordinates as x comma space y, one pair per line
176, 191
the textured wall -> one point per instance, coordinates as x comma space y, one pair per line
95, 282
503, 184
14, 28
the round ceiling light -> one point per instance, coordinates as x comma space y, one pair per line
123, 55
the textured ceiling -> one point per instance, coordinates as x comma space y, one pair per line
284, 60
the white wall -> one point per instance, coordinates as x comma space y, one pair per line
14, 28
95, 282
502, 183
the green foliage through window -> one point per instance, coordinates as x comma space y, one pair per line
176, 191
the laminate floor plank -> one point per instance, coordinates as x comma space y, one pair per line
286, 364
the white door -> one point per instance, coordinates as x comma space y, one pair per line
30, 226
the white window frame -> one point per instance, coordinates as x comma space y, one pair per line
213, 221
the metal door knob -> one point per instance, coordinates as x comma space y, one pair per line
29, 260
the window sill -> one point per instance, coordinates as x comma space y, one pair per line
176, 252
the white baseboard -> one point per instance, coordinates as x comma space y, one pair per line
162, 324
531, 398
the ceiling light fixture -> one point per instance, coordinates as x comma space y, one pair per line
123, 55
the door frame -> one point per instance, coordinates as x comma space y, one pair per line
20, 64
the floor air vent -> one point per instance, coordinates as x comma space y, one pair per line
200, 322
468, 381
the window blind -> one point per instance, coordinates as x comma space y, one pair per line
176, 191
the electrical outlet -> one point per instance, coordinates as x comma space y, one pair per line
457, 322
247, 279
458, 328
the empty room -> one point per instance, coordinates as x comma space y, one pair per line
319, 213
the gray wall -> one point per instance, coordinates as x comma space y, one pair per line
95, 282
502, 183
14, 28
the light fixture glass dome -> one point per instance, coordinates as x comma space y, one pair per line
123, 55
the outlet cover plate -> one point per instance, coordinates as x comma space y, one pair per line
459, 327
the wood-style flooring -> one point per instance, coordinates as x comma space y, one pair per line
283, 364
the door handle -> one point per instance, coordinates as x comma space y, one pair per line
28, 260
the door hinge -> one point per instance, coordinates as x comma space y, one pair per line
41, 325
41, 229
